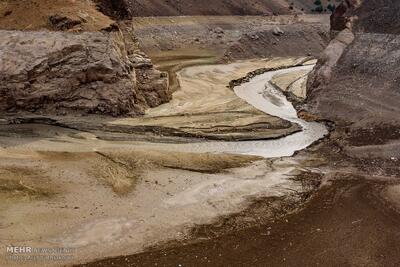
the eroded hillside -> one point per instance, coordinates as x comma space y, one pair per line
147, 8
356, 82
66, 57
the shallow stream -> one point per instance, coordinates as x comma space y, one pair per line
262, 95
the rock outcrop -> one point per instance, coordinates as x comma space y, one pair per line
342, 36
152, 84
90, 72
356, 83
343, 16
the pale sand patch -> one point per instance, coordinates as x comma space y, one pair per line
204, 105
293, 82
392, 193
164, 203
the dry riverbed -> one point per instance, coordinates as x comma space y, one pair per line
105, 193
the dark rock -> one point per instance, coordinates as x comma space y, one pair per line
62, 23
112, 28
7, 13
341, 17
219, 30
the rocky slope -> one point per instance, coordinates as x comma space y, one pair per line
147, 8
379, 16
140, 8
60, 72
232, 37
356, 82
280, 40
97, 69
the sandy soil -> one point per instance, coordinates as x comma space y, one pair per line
208, 105
345, 224
293, 83
101, 199
351, 221
193, 111
101, 191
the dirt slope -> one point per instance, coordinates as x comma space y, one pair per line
144, 8
232, 36
362, 87
356, 84
379, 16
35, 15
140, 8
342, 226
296, 39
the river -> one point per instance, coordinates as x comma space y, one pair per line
262, 95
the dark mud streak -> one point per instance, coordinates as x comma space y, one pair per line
252, 74
346, 224
171, 132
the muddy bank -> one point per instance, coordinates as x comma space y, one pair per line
204, 109
355, 83
121, 179
346, 223
352, 220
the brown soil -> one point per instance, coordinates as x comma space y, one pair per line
147, 8
18, 183
295, 41
378, 135
346, 224
379, 16
231, 37
35, 15
140, 8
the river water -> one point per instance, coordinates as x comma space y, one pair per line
262, 95
258, 92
